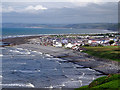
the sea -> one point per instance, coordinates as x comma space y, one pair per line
22, 68
21, 32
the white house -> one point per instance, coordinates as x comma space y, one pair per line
77, 44
57, 44
75, 47
69, 45
94, 41
89, 41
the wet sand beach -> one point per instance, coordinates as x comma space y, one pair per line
104, 66
98, 64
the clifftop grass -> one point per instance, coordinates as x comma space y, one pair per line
107, 52
106, 82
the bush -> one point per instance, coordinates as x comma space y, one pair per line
100, 45
86, 45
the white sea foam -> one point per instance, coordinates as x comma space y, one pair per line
26, 49
13, 36
20, 63
1, 55
58, 59
20, 48
2, 48
81, 82
57, 86
38, 70
15, 51
11, 50
21, 52
82, 76
26, 71
48, 55
75, 65
19, 85
48, 58
50, 87
40, 52
36, 52
90, 69
27, 53
72, 83
55, 69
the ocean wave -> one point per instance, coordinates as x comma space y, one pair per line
1, 55
14, 51
48, 58
20, 48
101, 32
21, 63
56, 86
2, 48
25, 71
14, 36
58, 59
36, 52
90, 69
29, 85
47, 55
21, 52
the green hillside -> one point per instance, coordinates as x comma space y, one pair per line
104, 83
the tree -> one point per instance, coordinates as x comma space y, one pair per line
111, 42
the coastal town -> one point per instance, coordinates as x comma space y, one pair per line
61, 53
60, 45
76, 41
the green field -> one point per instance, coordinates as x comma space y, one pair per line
110, 82
107, 52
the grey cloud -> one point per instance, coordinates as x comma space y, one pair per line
91, 13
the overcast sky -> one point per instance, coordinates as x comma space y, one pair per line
60, 12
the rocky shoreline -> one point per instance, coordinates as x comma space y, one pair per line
102, 65
18, 40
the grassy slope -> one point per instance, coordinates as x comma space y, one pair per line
107, 52
105, 82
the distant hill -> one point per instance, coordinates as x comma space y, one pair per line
107, 26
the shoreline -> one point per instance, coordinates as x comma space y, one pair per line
101, 65
21, 39
34, 35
